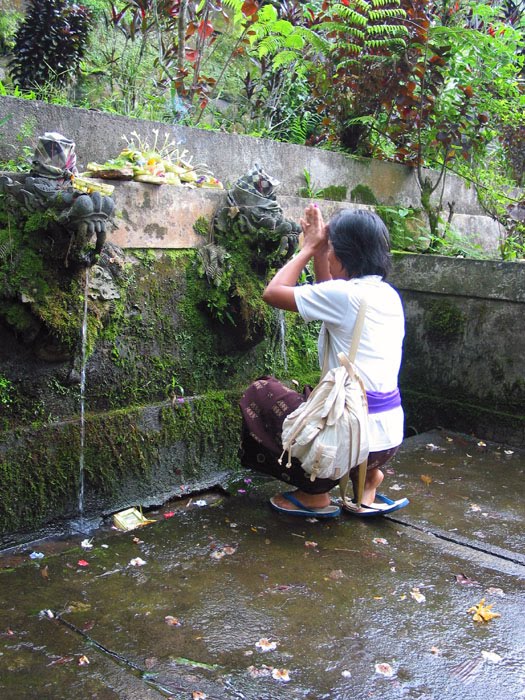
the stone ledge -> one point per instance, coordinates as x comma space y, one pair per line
162, 216
98, 136
480, 279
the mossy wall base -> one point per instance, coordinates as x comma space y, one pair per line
138, 456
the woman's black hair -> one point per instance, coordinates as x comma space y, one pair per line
361, 242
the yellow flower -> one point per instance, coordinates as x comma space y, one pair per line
482, 612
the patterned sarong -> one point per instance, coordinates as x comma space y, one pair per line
264, 406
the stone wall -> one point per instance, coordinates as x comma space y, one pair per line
463, 361
99, 136
464, 354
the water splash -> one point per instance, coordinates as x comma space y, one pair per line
83, 398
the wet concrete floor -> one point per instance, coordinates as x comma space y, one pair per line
222, 598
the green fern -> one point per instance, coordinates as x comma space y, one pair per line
213, 260
301, 127
5, 250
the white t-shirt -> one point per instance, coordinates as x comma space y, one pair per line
378, 358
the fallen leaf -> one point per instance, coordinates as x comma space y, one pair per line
379, 540
62, 660
385, 670
258, 672
426, 479
336, 575
82, 562
465, 580
493, 590
482, 612
78, 606
83, 660
44, 572
310, 544
417, 596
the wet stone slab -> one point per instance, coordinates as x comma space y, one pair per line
464, 487
226, 599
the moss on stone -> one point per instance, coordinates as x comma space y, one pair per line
444, 321
202, 226
363, 194
40, 478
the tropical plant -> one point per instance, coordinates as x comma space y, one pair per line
49, 43
9, 21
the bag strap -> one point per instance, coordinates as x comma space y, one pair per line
354, 342
358, 329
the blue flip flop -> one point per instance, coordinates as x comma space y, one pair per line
390, 505
331, 511
386, 505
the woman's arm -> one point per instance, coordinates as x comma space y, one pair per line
280, 290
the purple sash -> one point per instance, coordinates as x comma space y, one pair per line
379, 402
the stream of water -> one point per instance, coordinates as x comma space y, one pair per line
282, 337
83, 399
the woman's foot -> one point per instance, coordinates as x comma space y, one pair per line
374, 477
305, 505
312, 501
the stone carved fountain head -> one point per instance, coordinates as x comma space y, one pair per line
74, 213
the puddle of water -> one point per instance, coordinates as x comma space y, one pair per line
336, 599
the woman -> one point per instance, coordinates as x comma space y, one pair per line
351, 261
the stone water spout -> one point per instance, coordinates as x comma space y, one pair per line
73, 210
